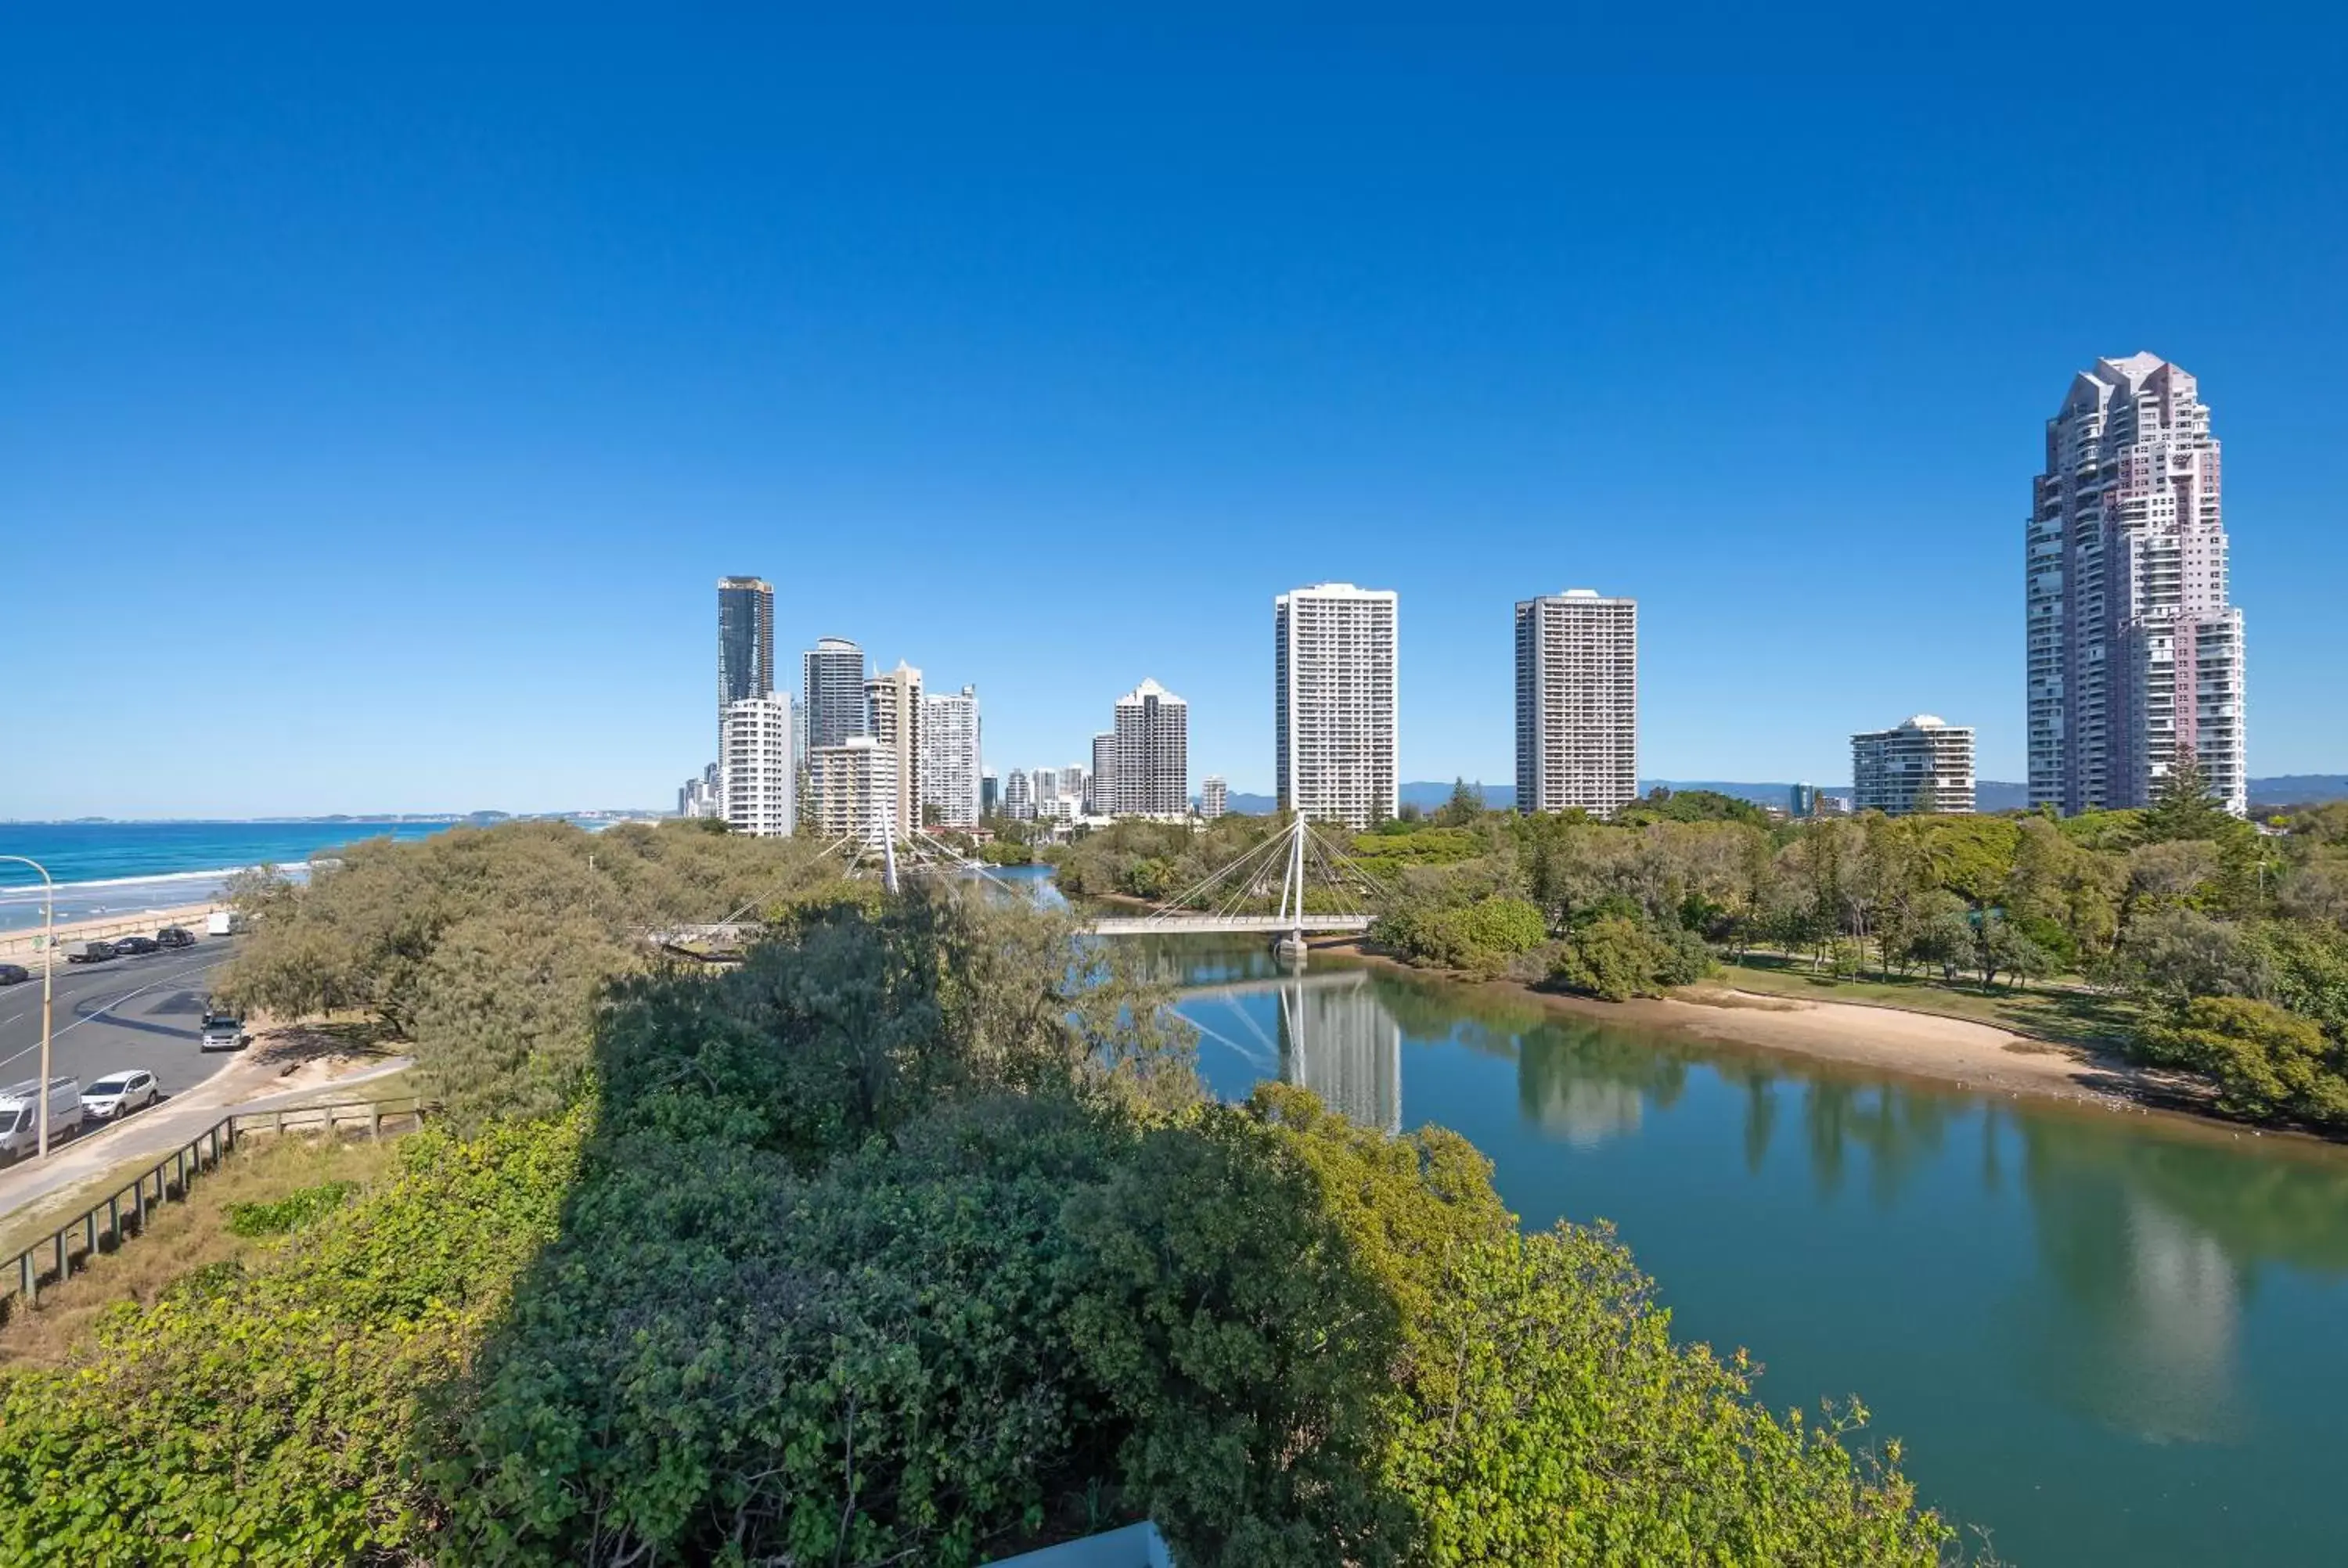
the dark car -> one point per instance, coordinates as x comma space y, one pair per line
14, 974
175, 937
134, 947
91, 953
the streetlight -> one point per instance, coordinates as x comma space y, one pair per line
48, 970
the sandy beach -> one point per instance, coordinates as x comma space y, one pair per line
1920, 1045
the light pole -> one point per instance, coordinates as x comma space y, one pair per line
48, 970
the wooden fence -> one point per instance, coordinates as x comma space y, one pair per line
104, 1226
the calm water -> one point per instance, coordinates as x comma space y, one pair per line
2105, 1338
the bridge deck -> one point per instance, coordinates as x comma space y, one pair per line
1174, 925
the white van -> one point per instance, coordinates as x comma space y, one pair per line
225, 923
20, 1114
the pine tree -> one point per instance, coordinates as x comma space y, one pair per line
2184, 806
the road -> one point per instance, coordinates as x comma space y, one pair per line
127, 1012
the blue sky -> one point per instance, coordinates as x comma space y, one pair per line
378, 407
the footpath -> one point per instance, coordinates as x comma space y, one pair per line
258, 1080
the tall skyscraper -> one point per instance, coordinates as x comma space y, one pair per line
1018, 798
1152, 759
1336, 722
746, 639
1101, 787
893, 704
2134, 647
831, 688
1577, 702
1045, 783
1922, 765
990, 793
755, 776
950, 758
856, 789
1214, 796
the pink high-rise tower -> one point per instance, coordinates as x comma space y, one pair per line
2134, 647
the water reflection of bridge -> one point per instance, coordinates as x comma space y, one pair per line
1333, 1034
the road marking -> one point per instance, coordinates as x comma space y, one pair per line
54, 1035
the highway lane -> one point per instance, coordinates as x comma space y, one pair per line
127, 1013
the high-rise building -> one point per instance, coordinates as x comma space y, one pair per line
893, 716
1152, 757
831, 688
990, 793
949, 764
1923, 764
1577, 702
1214, 796
702, 795
1077, 780
1018, 802
1099, 788
1802, 801
857, 794
2134, 647
755, 768
1042, 783
746, 639
1336, 721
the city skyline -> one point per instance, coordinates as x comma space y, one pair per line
513, 420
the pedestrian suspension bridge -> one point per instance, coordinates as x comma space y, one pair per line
1321, 890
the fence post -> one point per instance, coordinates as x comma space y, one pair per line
114, 1219
178, 1172
374, 1122
28, 1278
138, 1201
280, 1119
89, 1237
58, 1242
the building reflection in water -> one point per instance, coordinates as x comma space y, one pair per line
2143, 1333
1337, 1040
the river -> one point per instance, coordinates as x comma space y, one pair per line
2104, 1338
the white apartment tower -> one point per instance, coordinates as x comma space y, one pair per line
950, 758
1922, 765
755, 768
893, 716
2135, 649
1577, 702
831, 689
856, 791
1098, 789
1336, 722
1152, 757
1018, 796
1214, 796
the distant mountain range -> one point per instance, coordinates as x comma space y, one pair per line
1989, 794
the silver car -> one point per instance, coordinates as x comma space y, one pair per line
118, 1094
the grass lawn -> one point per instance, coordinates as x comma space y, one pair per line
2068, 1017
184, 1236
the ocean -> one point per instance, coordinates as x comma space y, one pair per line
125, 867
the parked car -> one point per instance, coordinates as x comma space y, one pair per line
175, 937
136, 947
90, 953
20, 1114
222, 1030
14, 974
118, 1094
225, 923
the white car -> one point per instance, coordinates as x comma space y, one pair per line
118, 1094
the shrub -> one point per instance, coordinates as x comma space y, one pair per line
291, 1213
2265, 1062
1617, 957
